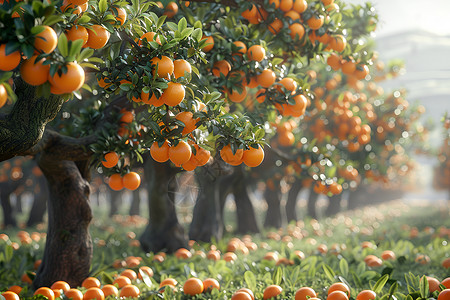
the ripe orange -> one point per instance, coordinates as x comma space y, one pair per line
338, 43
34, 73
348, 67
189, 122
433, 284
315, 22
233, 159
98, 37
77, 9
181, 67
171, 9
248, 291
201, 156
110, 290
335, 188
149, 37
288, 83
164, 65
173, 94
213, 255
115, 182
129, 291
253, 157
304, 292
361, 72
327, 2
180, 153
168, 281
94, 293
286, 5
286, 139
111, 159
366, 295
274, 27
272, 291
9, 295
15, 289
242, 48
3, 95
237, 97
45, 291
46, 40
70, 81
145, 270
183, 253
300, 6
74, 294
445, 282
92, 281
446, 263
77, 32
229, 256
339, 286
256, 53
131, 181
337, 295
60, 285
10, 61
241, 296
121, 15
388, 254
266, 78
297, 31
193, 286
221, 67
444, 295
121, 281
160, 154
209, 284
209, 43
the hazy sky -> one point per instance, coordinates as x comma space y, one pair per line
400, 15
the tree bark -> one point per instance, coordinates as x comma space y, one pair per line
246, 218
135, 207
312, 199
354, 198
39, 206
9, 215
163, 232
273, 198
334, 205
116, 200
291, 203
68, 249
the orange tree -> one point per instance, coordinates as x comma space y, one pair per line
148, 87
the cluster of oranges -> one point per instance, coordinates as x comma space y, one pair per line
130, 181
180, 154
251, 157
348, 66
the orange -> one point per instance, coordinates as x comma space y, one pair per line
241, 48
445, 282
348, 67
233, 159
446, 263
164, 65
60, 285
181, 67
98, 37
209, 284
334, 61
9, 295
366, 295
145, 270
237, 97
315, 22
157, 102
248, 291
250, 14
433, 284
10, 61
288, 83
110, 159
126, 117
193, 286
168, 281
70, 81
77, 32
388, 255
304, 292
272, 291
361, 72
160, 154
180, 153
121, 15
444, 295
286, 139
115, 182
149, 37
260, 95
293, 15
3, 95
201, 156
286, 5
339, 286
173, 94
213, 255
74, 294
94, 293
131, 181
77, 9
337, 295
46, 40
298, 109
256, 53
327, 2
335, 188
129, 291
253, 157
183, 253
300, 6
297, 31
15, 288
338, 43
221, 67
241, 296
266, 78
274, 27
110, 290
229, 256
209, 44
121, 281
171, 9
34, 73
189, 122
45, 291
92, 281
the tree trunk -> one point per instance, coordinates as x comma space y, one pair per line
135, 207
163, 231
39, 206
68, 249
354, 198
246, 218
312, 199
273, 214
291, 203
334, 205
116, 200
9, 216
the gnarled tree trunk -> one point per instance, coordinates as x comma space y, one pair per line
312, 199
246, 218
68, 249
273, 199
334, 205
163, 231
135, 207
291, 203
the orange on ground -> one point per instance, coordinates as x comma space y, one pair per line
121, 281
337, 295
60, 285
193, 286
339, 286
272, 291
74, 294
45, 291
9, 295
241, 296
304, 292
94, 293
366, 295
129, 291
110, 290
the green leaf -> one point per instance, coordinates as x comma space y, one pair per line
277, 61
329, 272
182, 25
380, 284
75, 48
393, 289
102, 6
277, 276
161, 21
197, 34
8, 253
63, 45
5, 76
53, 19
172, 26
424, 287
145, 278
259, 134
106, 278
343, 266
186, 32
250, 280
